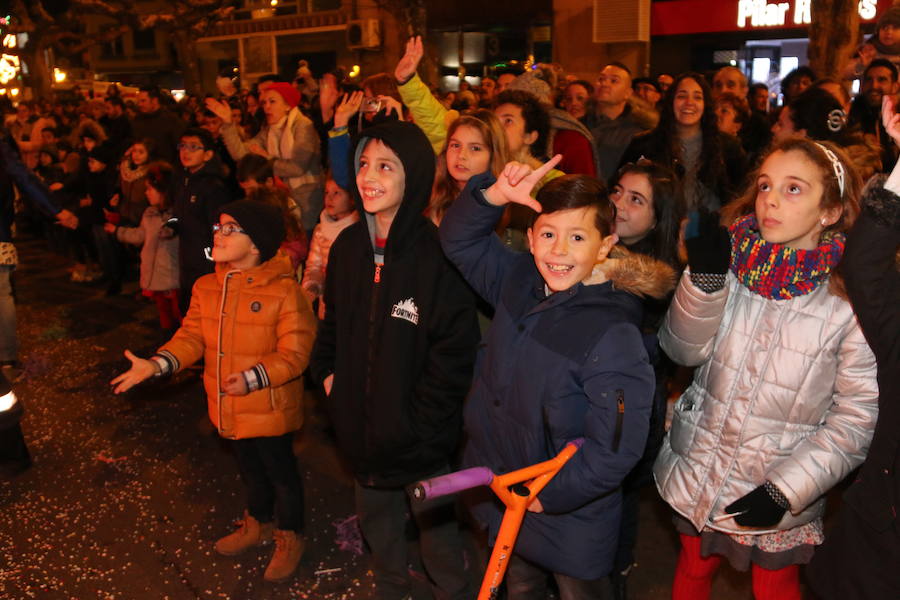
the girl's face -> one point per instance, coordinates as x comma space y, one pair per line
467, 154
726, 119
154, 197
88, 143
688, 103
252, 104
789, 201
784, 127
139, 154
274, 106
46, 159
635, 216
575, 100
338, 203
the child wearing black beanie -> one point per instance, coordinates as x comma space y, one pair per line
252, 285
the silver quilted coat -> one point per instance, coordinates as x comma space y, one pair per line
785, 390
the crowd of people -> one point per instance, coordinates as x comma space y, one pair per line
477, 278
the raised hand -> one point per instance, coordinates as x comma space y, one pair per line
390, 104
516, 182
408, 64
220, 109
890, 119
328, 96
348, 107
141, 369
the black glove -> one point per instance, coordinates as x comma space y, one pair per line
709, 252
759, 508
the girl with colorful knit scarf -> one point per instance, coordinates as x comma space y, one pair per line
784, 399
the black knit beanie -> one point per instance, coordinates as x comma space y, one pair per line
264, 224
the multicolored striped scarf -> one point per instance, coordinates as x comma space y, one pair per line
776, 271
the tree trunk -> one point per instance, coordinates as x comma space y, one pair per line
39, 76
186, 54
833, 36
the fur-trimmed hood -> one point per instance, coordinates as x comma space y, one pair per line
635, 273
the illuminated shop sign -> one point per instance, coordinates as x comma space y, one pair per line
797, 13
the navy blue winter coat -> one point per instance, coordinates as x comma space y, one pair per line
555, 368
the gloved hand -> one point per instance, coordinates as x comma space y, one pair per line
709, 252
759, 507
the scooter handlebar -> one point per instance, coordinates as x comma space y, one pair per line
452, 483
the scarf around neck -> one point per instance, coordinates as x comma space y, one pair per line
775, 271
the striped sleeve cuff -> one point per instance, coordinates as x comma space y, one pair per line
166, 361
256, 378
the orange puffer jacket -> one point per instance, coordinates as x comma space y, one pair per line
239, 320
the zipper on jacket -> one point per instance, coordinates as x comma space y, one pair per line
373, 307
620, 418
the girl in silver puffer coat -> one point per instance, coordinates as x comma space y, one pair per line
784, 399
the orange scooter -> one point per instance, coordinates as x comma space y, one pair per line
515, 489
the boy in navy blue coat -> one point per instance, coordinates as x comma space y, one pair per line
564, 359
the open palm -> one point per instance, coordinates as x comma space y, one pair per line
407, 66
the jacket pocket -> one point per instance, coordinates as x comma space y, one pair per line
684, 425
620, 419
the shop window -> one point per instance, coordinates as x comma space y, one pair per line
144, 41
114, 48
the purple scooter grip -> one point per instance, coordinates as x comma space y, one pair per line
452, 483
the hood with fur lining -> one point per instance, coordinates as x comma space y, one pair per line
634, 273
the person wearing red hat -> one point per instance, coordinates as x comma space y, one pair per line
289, 138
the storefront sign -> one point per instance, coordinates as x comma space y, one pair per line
680, 17
762, 13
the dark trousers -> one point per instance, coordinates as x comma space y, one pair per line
111, 254
274, 488
383, 517
527, 581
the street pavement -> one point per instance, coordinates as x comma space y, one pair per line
128, 493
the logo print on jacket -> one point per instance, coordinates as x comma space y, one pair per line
406, 309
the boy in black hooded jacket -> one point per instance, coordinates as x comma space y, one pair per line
395, 353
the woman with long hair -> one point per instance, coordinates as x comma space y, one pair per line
687, 140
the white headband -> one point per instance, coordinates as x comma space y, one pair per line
836, 164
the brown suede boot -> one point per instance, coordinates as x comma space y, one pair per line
251, 533
288, 550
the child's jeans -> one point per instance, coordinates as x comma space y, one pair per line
383, 516
274, 488
527, 581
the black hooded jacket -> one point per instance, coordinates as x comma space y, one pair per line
401, 349
196, 200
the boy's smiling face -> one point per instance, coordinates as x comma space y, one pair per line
566, 245
381, 179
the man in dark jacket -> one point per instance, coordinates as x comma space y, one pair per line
199, 193
158, 124
13, 171
395, 353
860, 556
